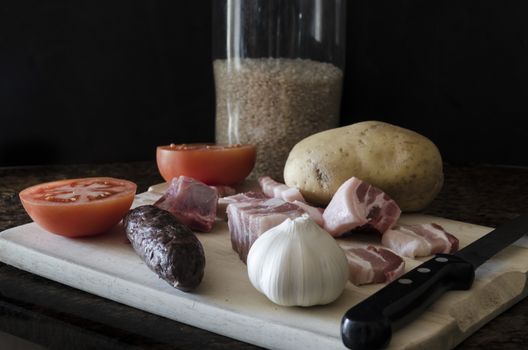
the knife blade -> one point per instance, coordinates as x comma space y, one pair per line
370, 323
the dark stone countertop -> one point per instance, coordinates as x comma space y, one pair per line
60, 317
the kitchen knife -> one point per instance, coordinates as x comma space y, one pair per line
369, 324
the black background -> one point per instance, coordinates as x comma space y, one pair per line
103, 81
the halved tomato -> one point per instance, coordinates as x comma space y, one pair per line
79, 207
211, 164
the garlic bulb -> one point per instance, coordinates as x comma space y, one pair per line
298, 263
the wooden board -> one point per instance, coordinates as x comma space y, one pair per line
227, 304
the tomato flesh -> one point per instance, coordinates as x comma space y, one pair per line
211, 164
79, 207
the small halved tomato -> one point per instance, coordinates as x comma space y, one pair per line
79, 207
211, 164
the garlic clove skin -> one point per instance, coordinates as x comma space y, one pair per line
297, 263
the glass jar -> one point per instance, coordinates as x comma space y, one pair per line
278, 69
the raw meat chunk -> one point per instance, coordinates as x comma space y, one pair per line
245, 197
315, 213
356, 205
276, 189
419, 240
192, 202
248, 220
371, 264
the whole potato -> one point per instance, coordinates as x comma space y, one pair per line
402, 163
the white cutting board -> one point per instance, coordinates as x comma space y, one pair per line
227, 304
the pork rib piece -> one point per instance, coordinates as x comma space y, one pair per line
246, 197
223, 192
247, 221
371, 264
315, 213
276, 189
357, 205
419, 240
192, 202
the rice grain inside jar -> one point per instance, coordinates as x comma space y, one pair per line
278, 69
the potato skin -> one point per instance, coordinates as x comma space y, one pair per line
402, 163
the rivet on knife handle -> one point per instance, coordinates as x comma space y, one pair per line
369, 324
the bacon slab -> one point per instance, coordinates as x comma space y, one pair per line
246, 197
315, 213
192, 202
276, 189
357, 205
248, 220
371, 264
419, 240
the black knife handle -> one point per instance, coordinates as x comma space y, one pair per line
369, 324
